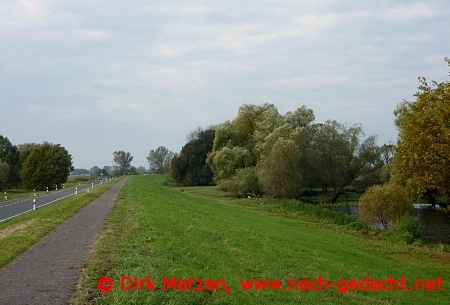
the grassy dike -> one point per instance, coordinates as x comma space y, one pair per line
19, 233
159, 232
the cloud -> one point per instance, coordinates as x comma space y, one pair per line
413, 11
311, 80
168, 66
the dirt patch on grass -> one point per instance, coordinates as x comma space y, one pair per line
8, 231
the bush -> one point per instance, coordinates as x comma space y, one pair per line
245, 182
407, 228
385, 204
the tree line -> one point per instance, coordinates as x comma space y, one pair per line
35, 166
291, 155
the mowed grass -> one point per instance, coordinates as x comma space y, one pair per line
162, 232
19, 233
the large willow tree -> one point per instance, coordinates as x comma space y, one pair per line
287, 156
422, 156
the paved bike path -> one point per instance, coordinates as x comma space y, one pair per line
47, 272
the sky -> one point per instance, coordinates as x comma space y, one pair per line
102, 76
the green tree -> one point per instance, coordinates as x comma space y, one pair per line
159, 160
95, 171
123, 162
341, 155
133, 170
237, 146
422, 155
385, 204
11, 156
4, 174
47, 165
140, 170
283, 170
107, 170
25, 150
279, 170
104, 172
289, 153
189, 167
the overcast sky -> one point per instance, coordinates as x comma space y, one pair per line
100, 76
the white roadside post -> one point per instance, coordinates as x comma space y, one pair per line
56, 186
6, 196
34, 204
34, 192
92, 184
47, 189
76, 190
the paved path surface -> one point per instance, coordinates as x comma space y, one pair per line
48, 271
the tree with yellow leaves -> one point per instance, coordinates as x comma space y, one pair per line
422, 155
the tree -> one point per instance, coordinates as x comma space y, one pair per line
25, 150
81, 171
189, 167
237, 147
4, 174
95, 171
159, 160
123, 162
422, 155
283, 170
104, 172
47, 165
341, 155
385, 204
289, 154
140, 170
279, 170
10, 155
107, 170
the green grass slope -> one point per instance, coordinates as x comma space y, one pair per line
160, 232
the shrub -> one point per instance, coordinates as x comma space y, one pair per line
385, 204
243, 183
407, 228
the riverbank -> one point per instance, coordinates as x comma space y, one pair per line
163, 233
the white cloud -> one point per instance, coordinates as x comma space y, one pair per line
411, 11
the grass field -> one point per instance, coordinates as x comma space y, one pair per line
162, 232
19, 233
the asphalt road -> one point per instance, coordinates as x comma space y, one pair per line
48, 271
12, 208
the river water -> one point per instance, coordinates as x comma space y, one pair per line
436, 223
